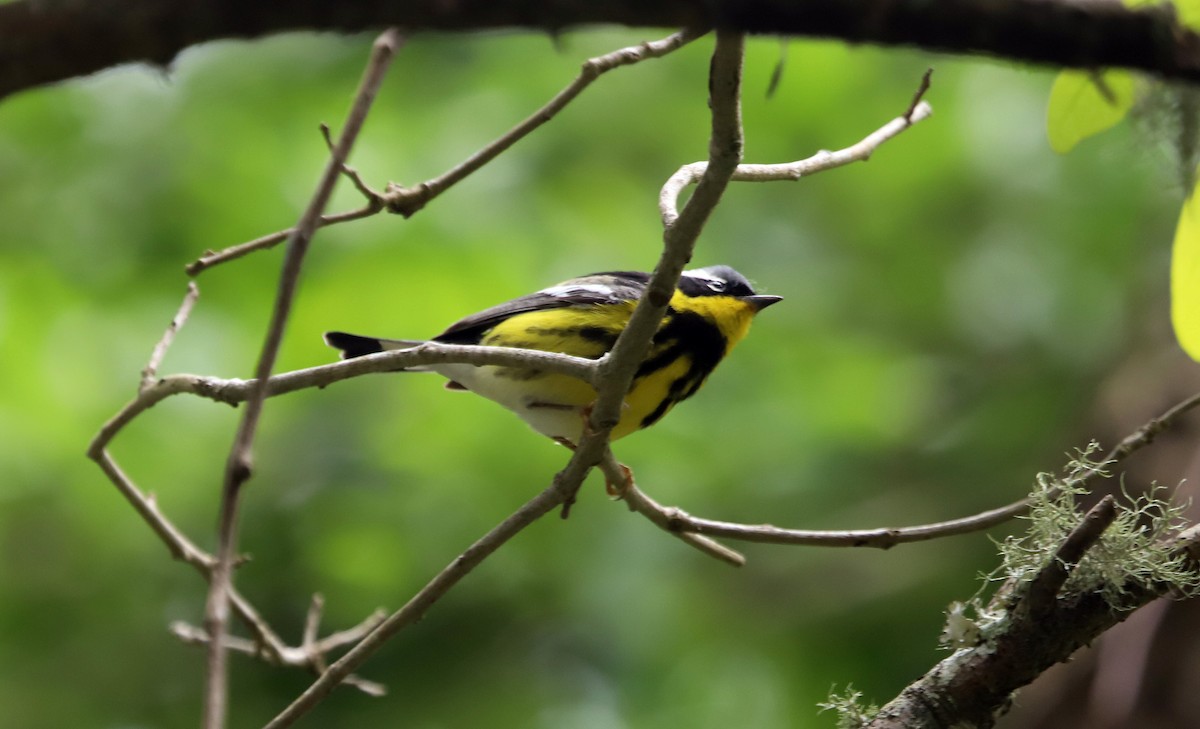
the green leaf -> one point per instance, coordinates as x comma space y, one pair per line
1185, 278
1084, 103
1188, 12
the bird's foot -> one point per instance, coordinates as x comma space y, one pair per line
618, 490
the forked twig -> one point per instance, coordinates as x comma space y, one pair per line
267, 643
373, 196
407, 200
309, 656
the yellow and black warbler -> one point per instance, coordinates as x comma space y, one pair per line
709, 312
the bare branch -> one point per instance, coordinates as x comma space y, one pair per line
267, 643
234, 391
213, 258
643, 504
919, 95
408, 200
180, 546
312, 623
819, 162
373, 196
289, 657
239, 464
416, 607
677, 521
150, 371
177, 543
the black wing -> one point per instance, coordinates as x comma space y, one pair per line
609, 287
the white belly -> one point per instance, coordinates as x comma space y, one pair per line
551, 404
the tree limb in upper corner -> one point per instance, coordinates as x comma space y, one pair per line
44, 41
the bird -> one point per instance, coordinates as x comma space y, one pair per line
709, 312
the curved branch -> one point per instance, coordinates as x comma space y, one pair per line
819, 162
35, 34
681, 523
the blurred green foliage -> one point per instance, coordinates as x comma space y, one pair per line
951, 310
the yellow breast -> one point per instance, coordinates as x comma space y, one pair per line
554, 404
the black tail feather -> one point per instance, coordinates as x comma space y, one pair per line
352, 345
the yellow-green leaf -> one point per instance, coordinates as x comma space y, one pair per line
1084, 103
1185, 278
1188, 12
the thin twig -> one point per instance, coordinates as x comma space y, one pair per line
819, 162
416, 607
312, 624
1044, 587
178, 544
268, 644
239, 465
615, 473
233, 391
150, 371
408, 200
676, 520
194, 635
920, 94
373, 196
213, 258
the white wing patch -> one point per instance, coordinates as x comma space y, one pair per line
568, 289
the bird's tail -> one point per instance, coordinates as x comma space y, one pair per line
353, 345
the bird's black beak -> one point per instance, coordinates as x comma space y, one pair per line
761, 301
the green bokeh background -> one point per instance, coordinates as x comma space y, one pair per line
953, 310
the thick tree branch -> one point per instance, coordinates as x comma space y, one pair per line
43, 41
968, 687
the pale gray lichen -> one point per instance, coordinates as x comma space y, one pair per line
1135, 551
852, 713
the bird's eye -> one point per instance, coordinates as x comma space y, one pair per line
717, 286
